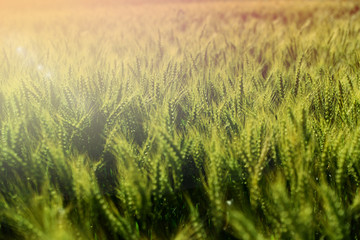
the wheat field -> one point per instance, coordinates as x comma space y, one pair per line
180, 120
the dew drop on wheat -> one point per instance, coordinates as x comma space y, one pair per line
229, 202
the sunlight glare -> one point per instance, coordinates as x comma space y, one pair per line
20, 50
40, 67
48, 75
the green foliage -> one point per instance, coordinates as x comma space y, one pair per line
234, 121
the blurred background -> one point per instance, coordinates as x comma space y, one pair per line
21, 4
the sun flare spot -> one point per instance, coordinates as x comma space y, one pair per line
40, 67
20, 50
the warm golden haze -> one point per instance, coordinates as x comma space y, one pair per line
180, 121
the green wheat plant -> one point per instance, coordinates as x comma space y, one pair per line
206, 120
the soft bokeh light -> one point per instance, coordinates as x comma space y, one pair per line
40, 67
20, 50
